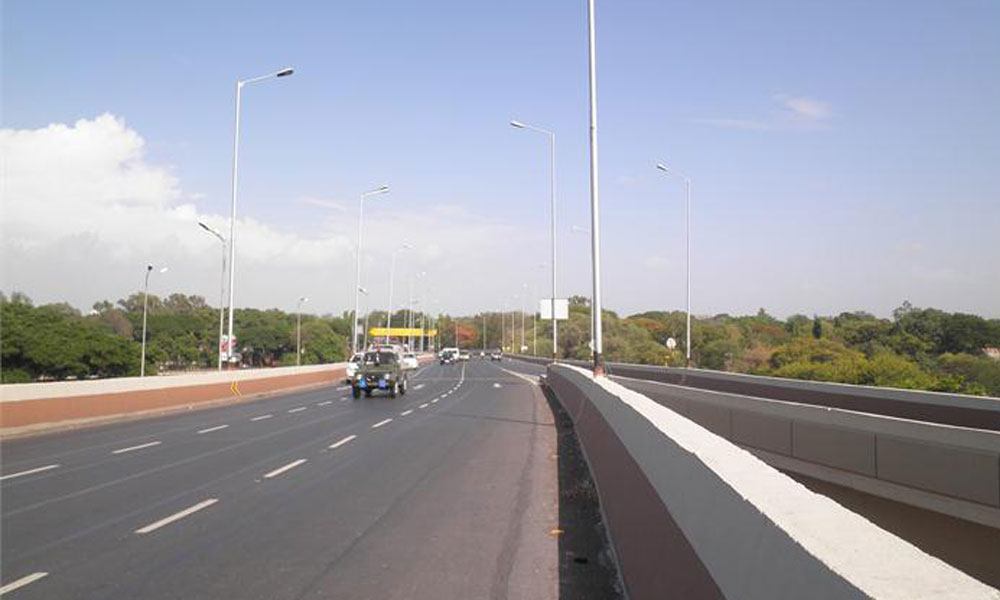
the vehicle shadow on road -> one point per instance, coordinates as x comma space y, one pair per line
586, 565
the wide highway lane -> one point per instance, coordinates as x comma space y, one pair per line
447, 492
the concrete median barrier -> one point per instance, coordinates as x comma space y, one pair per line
691, 514
33, 407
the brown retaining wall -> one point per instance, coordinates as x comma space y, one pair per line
60, 409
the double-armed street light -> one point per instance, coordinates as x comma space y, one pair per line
552, 194
298, 330
687, 252
382, 189
392, 278
145, 306
222, 285
232, 218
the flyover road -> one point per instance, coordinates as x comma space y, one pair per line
447, 492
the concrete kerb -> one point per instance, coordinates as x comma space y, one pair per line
759, 533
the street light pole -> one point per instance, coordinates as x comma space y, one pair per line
145, 304
552, 194
222, 285
392, 278
232, 217
595, 214
687, 252
382, 189
578, 229
298, 330
367, 312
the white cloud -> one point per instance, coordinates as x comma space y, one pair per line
83, 210
794, 113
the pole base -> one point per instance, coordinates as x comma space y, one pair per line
599, 367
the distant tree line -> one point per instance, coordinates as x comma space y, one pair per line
56, 341
919, 348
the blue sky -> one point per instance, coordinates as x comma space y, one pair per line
843, 155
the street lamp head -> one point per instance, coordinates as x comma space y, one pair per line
382, 189
284, 72
362, 290
149, 267
304, 299
164, 269
406, 246
517, 124
662, 167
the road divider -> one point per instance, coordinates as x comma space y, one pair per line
688, 511
34, 407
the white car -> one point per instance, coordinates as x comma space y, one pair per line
410, 361
352, 365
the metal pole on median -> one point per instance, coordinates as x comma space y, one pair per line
392, 277
687, 252
298, 330
552, 198
222, 285
382, 189
145, 305
595, 213
232, 216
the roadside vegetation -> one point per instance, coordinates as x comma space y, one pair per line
918, 348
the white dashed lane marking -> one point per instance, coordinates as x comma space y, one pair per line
177, 516
211, 429
424, 405
325, 403
336, 445
139, 447
285, 468
29, 472
261, 418
381, 423
20, 583
405, 412
295, 410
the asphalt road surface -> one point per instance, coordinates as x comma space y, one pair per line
447, 492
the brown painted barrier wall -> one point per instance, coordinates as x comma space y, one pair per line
60, 409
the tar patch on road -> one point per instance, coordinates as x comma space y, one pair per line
587, 570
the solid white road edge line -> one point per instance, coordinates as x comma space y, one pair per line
211, 429
177, 516
20, 583
381, 423
287, 467
405, 412
336, 445
261, 418
29, 472
139, 447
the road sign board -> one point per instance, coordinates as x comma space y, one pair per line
562, 308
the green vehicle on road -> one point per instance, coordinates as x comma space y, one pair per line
379, 370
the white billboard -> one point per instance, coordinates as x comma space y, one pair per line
562, 308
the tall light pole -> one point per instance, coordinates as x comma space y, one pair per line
552, 194
382, 189
392, 278
595, 212
145, 304
367, 312
222, 284
232, 217
298, 330
410, 321
524, 300
687, 251
578, 229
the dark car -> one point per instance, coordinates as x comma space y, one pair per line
379, 370
447, 357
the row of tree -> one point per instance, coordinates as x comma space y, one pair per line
917, 348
